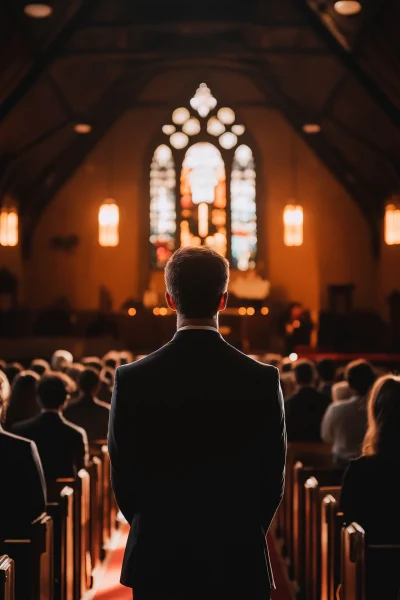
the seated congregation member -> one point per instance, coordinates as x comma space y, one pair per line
345, 423
94, 362
306, 408
40, 366
23, 404
340, 391
62, 446
288, 382
61, 359
197, 445
326, 370
88, 412
371, 485
12, 370
23, 488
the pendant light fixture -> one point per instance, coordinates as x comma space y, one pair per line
109, 211
293, 212
8, 223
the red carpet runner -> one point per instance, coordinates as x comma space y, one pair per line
110, 589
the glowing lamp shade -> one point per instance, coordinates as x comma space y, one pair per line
191, 127
8, 227
228, 140
311, 128
226, 115
179, 140
293, 225
38, 10
180, 116
83, 128
348, 7
169, 129
238, 129
392, 225
109, 223
215, 127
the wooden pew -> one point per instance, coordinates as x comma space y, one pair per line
314, 495
309, 454
331, 527
33, 558
95, 470
109, 517
7, 578
353, 563
301, 473
62, 513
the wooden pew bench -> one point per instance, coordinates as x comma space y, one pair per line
99, 449
32, 553
7, 578
353, 563
331, 527
61, 510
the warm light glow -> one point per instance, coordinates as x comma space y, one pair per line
163, 311
311, 128
192, 127
226, 115
38, 10
392, 225
8, 226
203, 219
109, 223
251, 311
293, 225
228, 140
215, 127
82, 128
156, 311
180, 115
242, 311
132, 312
205, 167
348, 7
296, 324
179, 140
238, 129
265, 310
293, 357
169, 129
243, 209
203, 101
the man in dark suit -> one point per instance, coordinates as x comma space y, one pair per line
23, 496
197, 444
306, 408
62, 446
88, 412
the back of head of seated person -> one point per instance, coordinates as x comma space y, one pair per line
111, 359
12, 370
62, 446
326, 370
40, 366
360, 376
23, 496
340, 391
305, 374
60, 359
23, 404
93, 362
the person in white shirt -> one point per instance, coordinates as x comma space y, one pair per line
345, 422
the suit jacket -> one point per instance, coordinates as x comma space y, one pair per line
197, 444
92, 415
62, 446
23, 495
304, 413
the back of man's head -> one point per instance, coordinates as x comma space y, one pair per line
304, 372
89, 381
360, 376
52, 391
196, 278
326, 370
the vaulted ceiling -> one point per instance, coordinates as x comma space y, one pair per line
89, 61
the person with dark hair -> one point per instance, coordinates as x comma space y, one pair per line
197, 445
88, 411
40, 366
370, 488
345, 422
23, 404
93, 362
62, 446
326, 370
21, 476
12, 370
306, 408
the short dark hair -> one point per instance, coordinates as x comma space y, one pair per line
52, 390
360, 376
89, 380
326, 369
40, 366
197, 277
304, 372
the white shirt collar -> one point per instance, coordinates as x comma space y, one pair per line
197, 327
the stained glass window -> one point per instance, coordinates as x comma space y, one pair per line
243, 209
162, 206
204, 198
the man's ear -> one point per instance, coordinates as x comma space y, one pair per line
170, 301
223, 302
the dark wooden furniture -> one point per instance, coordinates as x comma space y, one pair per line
7, 578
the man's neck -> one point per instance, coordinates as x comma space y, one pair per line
186, 322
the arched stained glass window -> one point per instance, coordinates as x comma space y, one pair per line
243, 209
162, 206
205, 202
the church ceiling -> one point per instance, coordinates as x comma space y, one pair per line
92, 59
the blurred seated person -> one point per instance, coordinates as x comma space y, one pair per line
40, 366
295, 327
94, 362
287, 377
250, 288
345, 423
306, 408
23, 404
3, 364
126, 357
370, 488
111, 359
326, 369
62, 446
12, 370
340, 391
23, 497
89, 412
61, 359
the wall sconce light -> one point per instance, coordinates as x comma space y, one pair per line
392, 225
109, 223
293, 225
8, 226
